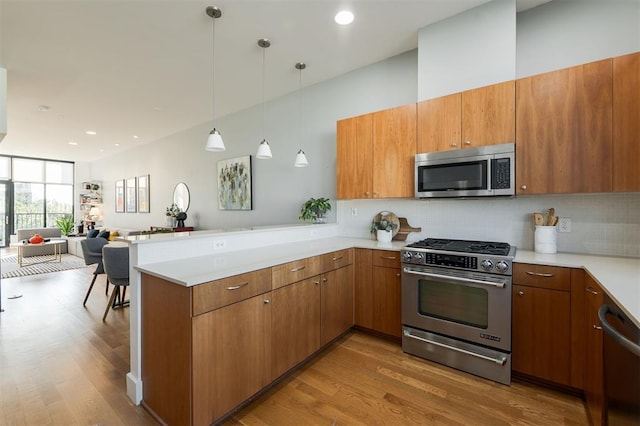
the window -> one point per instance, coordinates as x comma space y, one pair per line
42, 191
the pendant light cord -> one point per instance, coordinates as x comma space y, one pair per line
263, 70
213, 70
300, 102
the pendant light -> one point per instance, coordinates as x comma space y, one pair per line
214, 142
301, 158
264, 150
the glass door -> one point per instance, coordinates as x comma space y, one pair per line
5, 212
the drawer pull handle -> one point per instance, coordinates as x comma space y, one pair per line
591, 290
595, 327
298, 269
388, 257
235, 287
267, 301
540, 274
338, 258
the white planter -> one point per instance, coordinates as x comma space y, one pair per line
383, 236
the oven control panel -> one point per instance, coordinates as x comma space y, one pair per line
480, 263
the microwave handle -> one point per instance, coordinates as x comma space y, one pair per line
500, 284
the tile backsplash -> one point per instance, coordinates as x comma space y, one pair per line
604, 224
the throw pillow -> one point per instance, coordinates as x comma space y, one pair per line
92, 233
104, 234
113, 235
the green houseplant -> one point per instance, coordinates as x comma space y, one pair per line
65, 224
314, 209
383, 228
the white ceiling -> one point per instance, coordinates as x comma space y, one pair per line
144, 67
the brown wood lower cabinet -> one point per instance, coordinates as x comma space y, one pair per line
295, 312
336, 313
377, 300
593, 380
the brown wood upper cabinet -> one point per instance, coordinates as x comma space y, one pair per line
564, 130
375, 154
626, 122
478, 117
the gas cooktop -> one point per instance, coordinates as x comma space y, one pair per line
463, 246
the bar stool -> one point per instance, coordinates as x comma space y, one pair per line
115, 258
92, 253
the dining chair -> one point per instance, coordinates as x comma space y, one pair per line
92, 253
116, 265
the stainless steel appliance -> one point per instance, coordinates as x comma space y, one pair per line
487, 171
456, 304
621, 366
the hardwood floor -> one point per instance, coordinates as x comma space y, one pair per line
61, 365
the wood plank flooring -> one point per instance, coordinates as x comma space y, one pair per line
61, 365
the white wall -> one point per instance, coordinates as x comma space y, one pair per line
279, 189
472, 49
565, 33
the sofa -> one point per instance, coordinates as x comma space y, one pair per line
74, 242
25, 234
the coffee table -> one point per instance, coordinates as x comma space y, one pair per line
55, 257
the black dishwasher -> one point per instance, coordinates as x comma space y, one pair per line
621, 366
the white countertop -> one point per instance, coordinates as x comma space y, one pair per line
619, 277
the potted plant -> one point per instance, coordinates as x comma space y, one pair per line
65, 224
383, 229
172, 214
314, 209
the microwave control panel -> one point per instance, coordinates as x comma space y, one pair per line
501, 173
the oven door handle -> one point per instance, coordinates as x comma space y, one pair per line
450, 278
500, 361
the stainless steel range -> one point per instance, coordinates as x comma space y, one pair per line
456, 304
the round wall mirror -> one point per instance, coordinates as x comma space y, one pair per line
181, 196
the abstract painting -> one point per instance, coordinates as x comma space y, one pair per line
234, 184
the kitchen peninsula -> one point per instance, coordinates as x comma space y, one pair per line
254, 254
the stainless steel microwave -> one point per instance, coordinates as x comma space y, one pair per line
487, 171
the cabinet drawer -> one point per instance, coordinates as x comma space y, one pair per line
219, 293
336, 259
387, 258
297, 270
551, 277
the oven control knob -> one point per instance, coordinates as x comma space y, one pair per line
502, 266
417, 256
487, 265
406, 256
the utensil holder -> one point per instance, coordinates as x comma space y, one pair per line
545, 239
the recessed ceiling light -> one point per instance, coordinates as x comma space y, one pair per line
101, 150
73, 143
135, 136
116, 144
344, 17
43, 108
91, 132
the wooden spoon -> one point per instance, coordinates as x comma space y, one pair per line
538, 219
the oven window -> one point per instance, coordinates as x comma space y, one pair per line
459, 176
454, 302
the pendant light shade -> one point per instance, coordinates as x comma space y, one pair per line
264, 150
214, 142
301, 157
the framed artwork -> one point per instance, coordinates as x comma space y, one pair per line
120, 196
130, 195
234, 184
143, 194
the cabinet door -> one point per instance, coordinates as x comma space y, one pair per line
593, 383
489, 115
626, 126
354, 144
336, 303
439, 122
564, 130
295, 324
386, 303
541, 332
394, 150
231, 356
363, 293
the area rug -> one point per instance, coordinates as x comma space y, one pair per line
10, 268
